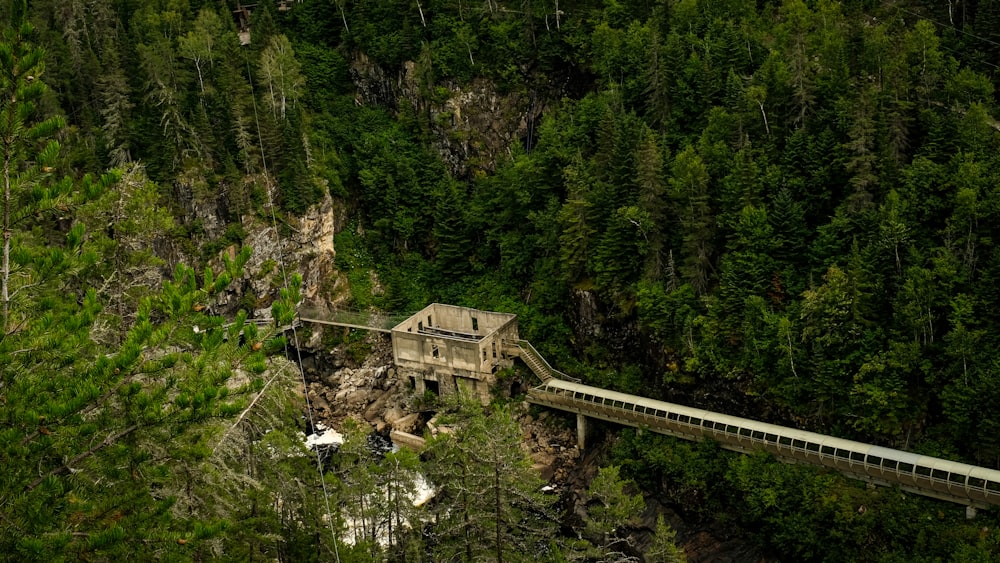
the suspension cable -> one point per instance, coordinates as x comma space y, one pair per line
295, 334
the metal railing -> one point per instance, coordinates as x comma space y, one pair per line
374, 320
925, 475
542, 369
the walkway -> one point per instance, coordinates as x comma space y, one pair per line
929, 476
966, 484
363, 320
537, 363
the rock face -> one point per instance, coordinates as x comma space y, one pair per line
475, 126
306, 247
551, 444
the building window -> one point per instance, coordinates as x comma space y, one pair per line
435, 351
494, 349
420, 326
484, 354
475, 324
429, 323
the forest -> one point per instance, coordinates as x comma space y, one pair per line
782, 210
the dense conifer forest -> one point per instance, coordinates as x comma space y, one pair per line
781, 210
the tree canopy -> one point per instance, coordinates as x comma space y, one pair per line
784, 209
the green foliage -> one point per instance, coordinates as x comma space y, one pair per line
663, 548
141, 419
489, 499
794, 202
613, 509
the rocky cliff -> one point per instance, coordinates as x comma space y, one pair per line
297, 245
474, 126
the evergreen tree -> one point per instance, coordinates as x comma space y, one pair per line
110, 443
612, 511
653, 200
25, 163
692, 204
663, 549
490, 503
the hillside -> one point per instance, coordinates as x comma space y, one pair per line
778, 210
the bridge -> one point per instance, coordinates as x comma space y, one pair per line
362, 320
970, 485
942, 479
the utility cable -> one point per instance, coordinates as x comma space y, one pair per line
295, 334
940, 24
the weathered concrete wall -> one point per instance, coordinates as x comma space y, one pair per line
417, 350
456, 347
456, 319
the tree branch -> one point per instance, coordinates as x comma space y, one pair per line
112, 438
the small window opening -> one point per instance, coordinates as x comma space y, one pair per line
475, 324
429, 323
420, 326
494, 350
435, 351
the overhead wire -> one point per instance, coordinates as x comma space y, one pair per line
949, 26
295, 335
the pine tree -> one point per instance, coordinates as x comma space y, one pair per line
21, 130
453, 243
111, 442
124, 222
692, 205
653, 200
612, 511
490, 504
747, 269
663, 549
577, 218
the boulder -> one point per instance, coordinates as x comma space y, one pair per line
356, 397
375, 409
544, 471
404, 439
392, 414
406, 424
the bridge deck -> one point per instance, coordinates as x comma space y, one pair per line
938, 478
348, 325
925, 475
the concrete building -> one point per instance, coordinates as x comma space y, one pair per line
445, 348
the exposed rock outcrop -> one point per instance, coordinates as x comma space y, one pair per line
304, 245
474, 125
